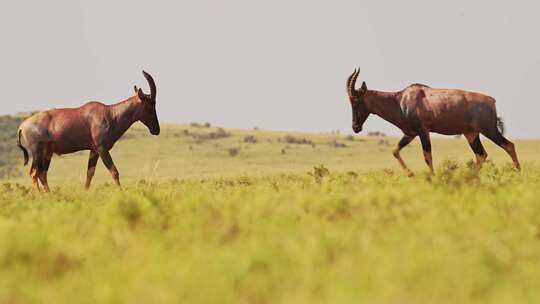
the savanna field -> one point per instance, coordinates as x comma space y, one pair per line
211, 215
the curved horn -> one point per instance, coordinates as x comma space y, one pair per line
351, 82
152, 85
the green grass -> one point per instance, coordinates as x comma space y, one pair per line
200, 226
176, 155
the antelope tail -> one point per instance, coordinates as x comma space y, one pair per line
23, 149
500, 125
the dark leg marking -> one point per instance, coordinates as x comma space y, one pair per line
44, 166
92, 161
478, 149
426, 147
496, 137
43, 174
405, 140
426, 142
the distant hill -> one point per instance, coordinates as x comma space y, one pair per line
10, 154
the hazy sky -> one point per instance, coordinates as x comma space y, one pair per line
273, 64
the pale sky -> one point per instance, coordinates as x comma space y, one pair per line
273, 64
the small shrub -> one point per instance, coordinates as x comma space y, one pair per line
250, 139
219, 133
130, 209
319, 172
452, 175
296, 140
233, 151
349, 137
337, 144
352, 174
199, 125
6, 187
388, 171
199, 138
376, 133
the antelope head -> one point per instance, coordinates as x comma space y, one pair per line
148, 115
356, 97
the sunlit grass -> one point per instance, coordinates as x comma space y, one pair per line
317, 236
183, 151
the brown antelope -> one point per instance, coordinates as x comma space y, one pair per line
93, 126
418, 110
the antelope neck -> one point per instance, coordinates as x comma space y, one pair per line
386, 105
125, 113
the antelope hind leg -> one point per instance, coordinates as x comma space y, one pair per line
405, 140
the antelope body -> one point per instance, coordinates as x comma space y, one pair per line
418, 110
93, 126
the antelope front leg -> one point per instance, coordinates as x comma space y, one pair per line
405, 140
426, 147
92, 161
478, 149
107, 160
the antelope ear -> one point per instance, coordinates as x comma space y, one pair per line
135, 89
141, 95
363, 87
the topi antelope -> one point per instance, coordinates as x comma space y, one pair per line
418, 110
93, 126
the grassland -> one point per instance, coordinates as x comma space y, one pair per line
249, 216
185, 151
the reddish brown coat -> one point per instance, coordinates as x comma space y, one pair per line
418, 110
93, 126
